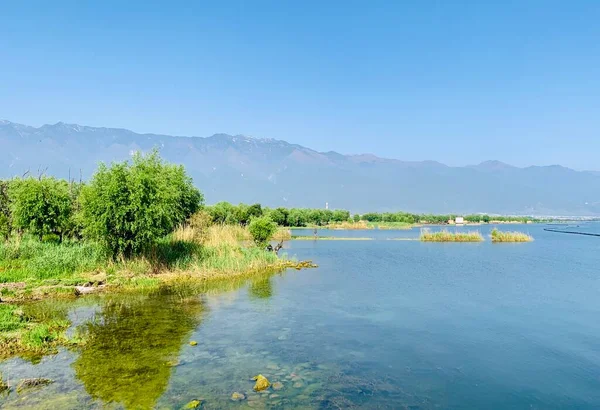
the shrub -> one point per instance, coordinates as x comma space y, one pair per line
127, 207
262, 230
40, 206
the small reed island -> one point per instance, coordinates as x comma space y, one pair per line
502, 236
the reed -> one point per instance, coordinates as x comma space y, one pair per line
504, 236
447, 236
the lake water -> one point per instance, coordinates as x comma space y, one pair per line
379, 324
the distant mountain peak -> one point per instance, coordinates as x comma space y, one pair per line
493, 165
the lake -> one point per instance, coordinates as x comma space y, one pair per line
383, 323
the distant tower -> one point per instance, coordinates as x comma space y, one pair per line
326, 205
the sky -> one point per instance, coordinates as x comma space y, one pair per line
459, 82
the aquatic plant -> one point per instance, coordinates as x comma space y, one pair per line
503, 236
446, 236
31, 383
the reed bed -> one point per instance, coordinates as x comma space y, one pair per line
447, 236
504, 236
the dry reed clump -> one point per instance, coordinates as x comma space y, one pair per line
500, 236
446, 236
349, 225
282, 235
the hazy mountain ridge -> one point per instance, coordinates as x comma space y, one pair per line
275, 172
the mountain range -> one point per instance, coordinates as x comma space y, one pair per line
278, 173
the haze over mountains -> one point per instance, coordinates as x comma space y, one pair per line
277, 173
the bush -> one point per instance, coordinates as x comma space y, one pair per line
40, 206
262, 230
128, 207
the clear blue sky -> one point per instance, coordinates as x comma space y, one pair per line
453, 81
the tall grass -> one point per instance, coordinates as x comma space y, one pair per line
28, 258
503, 236
446, 236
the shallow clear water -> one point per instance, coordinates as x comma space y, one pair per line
380, 324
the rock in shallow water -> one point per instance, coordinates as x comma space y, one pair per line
277, 386
30, 383
238, 396
192, 405
262, 383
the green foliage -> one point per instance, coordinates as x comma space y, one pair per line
262, 230
5, 214
128, 206
279, 216
40, 206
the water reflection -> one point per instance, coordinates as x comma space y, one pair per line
133, 345
261, 288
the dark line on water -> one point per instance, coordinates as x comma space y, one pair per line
572, 232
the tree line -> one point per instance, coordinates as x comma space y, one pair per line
127, 206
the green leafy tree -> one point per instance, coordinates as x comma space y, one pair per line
356, 218
262, 230
5, 217
297, 217
279, 216
128, 206
340, 215
40, 206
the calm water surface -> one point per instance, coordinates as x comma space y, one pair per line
380, 324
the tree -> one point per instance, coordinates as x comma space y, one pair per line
340, 215
262, 230
297, 217
40, 206
5, 217
356, 218
279, 216
128, 206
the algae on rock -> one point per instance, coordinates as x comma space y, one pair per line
262, 383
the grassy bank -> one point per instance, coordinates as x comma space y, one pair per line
503, 236
52, 272
446, 236
30, 269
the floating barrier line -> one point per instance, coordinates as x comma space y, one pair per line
572, 232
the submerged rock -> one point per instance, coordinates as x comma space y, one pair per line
193, 343
262, 383
277, 386
30, 383
298, 385
192, 405
235, 396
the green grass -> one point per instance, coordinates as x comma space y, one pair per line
11, 318
29, 259
446, 236
503, 236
